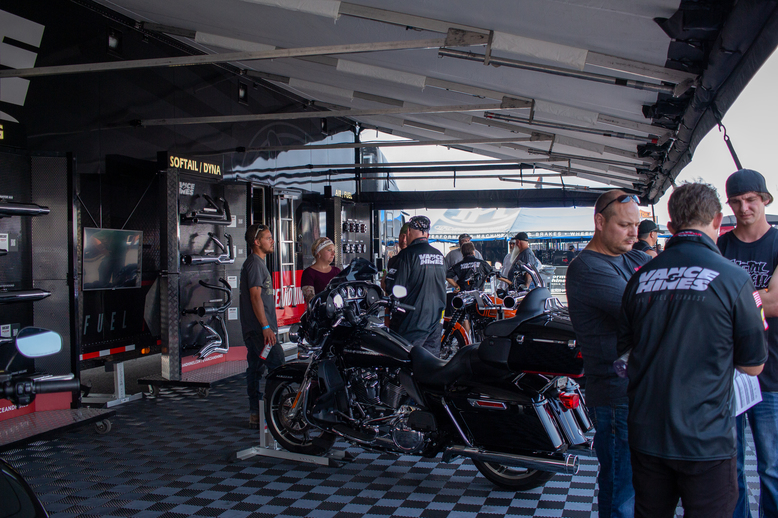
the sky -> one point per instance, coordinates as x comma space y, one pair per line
750, 124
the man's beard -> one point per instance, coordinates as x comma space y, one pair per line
515, 254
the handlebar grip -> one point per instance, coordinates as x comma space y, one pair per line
46, 386
406, 307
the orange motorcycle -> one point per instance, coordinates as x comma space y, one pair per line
481, 308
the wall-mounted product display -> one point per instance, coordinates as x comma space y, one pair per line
226, 257
213, 340
215, 212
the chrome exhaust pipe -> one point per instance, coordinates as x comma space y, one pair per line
555, 462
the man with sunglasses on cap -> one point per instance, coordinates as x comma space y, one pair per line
595, 283
420, 268
258, 316
753, 245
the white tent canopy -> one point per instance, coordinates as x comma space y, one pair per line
615, 92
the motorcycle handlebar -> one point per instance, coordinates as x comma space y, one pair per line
13, 389
406, 307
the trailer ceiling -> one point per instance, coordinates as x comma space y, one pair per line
613, 91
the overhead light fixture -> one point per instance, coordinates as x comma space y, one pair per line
114, 42
243, 93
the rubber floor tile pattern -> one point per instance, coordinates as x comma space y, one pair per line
171, 457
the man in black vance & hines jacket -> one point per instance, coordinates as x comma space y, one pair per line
690, 317
420, 268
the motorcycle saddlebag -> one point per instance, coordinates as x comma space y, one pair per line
545, 345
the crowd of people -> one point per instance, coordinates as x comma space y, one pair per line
686, 319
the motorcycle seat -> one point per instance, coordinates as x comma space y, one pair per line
533, 305
431, 370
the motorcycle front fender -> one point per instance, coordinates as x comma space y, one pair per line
293, 371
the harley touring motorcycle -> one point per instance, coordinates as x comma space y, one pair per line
509, 403
17, 498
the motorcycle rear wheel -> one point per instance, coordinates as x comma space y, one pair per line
293, 435
515, 479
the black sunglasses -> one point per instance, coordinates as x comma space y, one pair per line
624, 198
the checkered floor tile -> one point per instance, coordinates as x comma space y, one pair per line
170, 457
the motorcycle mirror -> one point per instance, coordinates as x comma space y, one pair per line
399, 291
294, 333
34, 342
337, 300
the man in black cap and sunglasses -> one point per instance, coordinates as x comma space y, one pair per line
420, 268
595, 283
753, 245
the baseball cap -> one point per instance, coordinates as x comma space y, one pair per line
647, 226
745, 180
464, 236
421, 223
522, 236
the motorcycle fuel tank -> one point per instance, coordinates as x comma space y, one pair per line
378, 346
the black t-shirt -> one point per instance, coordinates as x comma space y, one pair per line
470, 273
759, 259
419, 267
595, 284
689, 316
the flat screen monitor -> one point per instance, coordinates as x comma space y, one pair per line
112, 259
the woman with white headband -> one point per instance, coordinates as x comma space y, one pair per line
317, 276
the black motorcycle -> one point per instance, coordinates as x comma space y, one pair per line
509, 403
17, 498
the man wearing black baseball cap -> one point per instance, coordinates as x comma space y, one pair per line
647, 237
753, 244
419, 267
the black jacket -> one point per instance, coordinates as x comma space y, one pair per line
690, 316
419, 267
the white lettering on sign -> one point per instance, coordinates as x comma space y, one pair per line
185, 188
289, 297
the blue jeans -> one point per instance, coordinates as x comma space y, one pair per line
616, 497
763, 418
255, 342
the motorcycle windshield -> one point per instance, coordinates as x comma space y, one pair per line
360, 269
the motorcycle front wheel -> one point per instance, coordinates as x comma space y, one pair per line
450, 343
294, 435
515, 479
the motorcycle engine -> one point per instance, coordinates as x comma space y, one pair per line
376, 388
405, 438
379, 393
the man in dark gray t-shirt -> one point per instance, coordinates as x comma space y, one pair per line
595, 284
258, 316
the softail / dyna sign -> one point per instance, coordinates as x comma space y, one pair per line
369, 386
